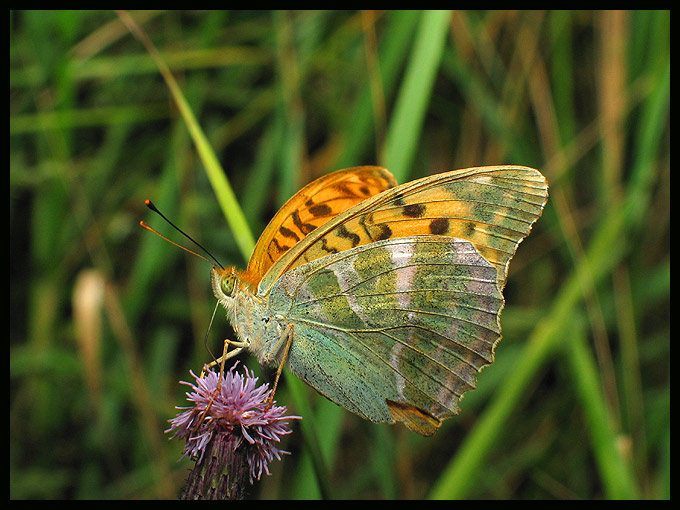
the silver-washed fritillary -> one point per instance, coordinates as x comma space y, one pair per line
386, 299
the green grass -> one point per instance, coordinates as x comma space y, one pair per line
234, 113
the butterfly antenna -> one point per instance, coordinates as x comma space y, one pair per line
151, 206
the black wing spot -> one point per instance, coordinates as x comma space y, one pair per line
320, 210
288, 233
439, 226
414, 210
385, 232
470, 229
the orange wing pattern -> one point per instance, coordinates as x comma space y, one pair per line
312, 206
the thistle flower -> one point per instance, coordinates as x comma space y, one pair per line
232, 434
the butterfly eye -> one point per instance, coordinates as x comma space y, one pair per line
227, 284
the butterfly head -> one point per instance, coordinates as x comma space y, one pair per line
227, 282
224, 284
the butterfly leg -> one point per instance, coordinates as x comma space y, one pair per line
287, 337
225, 356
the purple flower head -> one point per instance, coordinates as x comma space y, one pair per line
232, 429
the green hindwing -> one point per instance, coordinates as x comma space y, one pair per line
394, 330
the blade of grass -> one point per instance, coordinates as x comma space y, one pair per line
409, 112
656, 114
218, 179
393, 50
615, 470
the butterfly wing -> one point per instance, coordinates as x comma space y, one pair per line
395, 330
493, 207
312, 206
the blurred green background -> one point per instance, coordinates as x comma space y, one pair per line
106, 318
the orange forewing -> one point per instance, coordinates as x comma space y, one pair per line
311, 207
493, 207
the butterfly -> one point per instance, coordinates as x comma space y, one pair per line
385, 298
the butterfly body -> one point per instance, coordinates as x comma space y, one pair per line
389, 307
